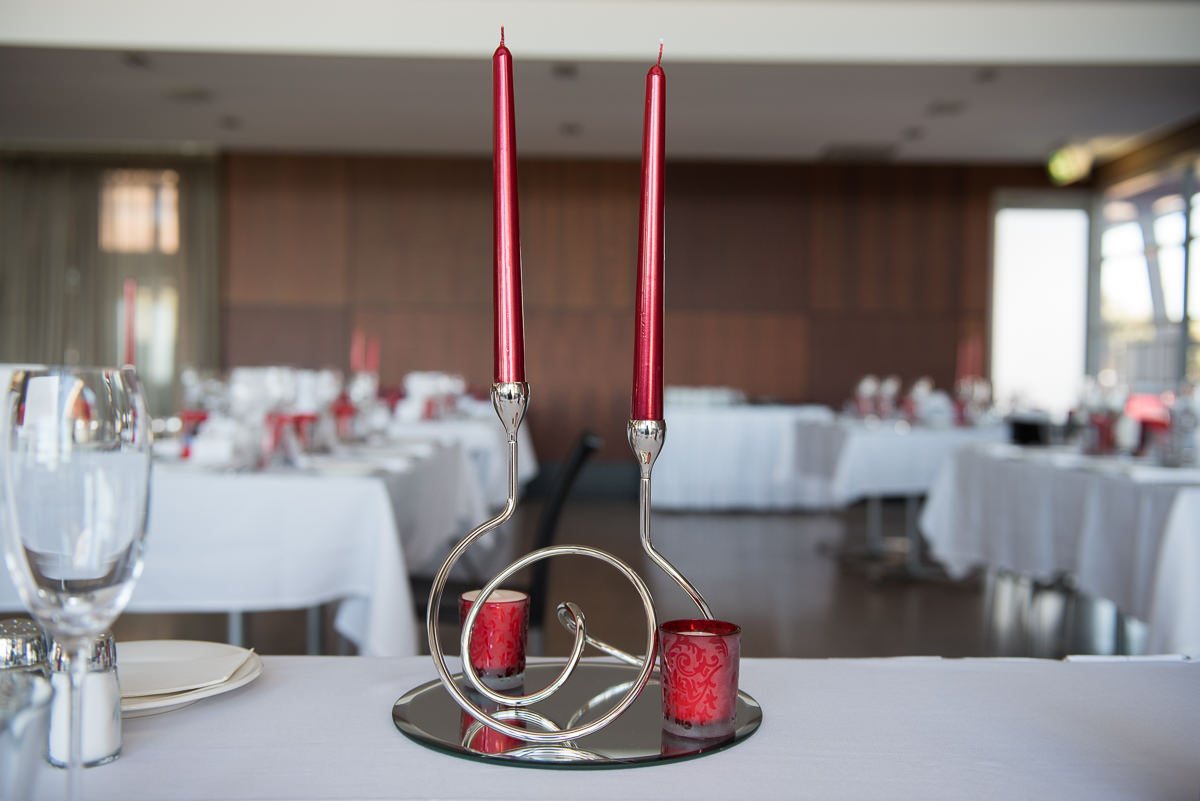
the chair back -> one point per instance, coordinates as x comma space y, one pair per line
585, 445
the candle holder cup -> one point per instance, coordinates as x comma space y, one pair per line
497, 647
698, 672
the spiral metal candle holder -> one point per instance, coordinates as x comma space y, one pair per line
646, 437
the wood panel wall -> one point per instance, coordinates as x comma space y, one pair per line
788, 281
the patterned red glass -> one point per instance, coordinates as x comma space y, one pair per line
498, 641
698, 665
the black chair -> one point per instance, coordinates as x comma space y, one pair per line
585, 445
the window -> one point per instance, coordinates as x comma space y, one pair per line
1039, 309
140, 247
139, 211
1147, 295
155, 311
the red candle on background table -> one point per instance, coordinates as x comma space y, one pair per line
130, 321
358, 346
648, 334
373, 355
510, 338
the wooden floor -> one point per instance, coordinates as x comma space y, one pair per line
777, 575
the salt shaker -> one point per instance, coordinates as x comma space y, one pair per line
22, 646
101, 720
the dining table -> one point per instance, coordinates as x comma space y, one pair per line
1124, 530
478, 431
346, 529
736, 456
434, 487
846, 460
313, 728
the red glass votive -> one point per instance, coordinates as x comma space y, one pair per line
343, 412
191, 419
273, 427
498, 639
698, 670
304, 425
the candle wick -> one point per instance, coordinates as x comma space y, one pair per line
501, 35
660, 47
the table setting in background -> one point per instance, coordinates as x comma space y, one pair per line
733, 455
437, 408
886, 444
1105, 503
257, 466
728, 454
206, 721
1121, 531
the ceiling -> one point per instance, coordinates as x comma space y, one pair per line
918, 100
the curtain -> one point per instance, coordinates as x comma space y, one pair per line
59, 292
48, 258
199, 320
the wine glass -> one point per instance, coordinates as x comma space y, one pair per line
75, 450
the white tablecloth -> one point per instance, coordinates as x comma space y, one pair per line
731, 457
1175, 595
220, 542
435, 502
845, 460
1041, 512
486, 445
321, 728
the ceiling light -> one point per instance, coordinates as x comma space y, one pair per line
1069, 164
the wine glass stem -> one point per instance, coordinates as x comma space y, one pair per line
77, 667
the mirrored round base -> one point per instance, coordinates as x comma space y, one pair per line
430, 716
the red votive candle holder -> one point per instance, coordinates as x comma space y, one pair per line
497, 649
698, 670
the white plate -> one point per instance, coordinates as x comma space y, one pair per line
159, 667
165, 663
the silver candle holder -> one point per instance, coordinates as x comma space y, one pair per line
646, 437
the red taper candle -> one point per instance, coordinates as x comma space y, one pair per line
510, 337
130, 321
358, 350
372, 361
648, 334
